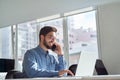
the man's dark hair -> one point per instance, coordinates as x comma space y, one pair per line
46, 29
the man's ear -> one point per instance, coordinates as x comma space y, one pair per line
41, 37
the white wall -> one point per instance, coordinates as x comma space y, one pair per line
109, 23
0, 46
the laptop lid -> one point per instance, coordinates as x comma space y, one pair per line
86, 64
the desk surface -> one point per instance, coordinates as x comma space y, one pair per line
101, 77
2, 75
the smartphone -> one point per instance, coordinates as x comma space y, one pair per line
53, 47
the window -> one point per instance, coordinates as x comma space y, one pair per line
26, 37
5, 43
82, 35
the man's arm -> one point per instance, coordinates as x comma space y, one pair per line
61, 64
61, 67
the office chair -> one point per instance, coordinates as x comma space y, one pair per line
100, 68
13, 74
73, 68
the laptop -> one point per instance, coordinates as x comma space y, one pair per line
86, 64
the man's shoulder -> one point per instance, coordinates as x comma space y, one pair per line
31, 51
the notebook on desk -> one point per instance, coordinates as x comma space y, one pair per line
86, 64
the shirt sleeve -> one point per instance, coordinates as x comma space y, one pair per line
61, 65
31, 69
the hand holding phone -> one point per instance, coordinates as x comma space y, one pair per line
57, 49
53, 47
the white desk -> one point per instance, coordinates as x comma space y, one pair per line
101, 77
2, 75
55, 78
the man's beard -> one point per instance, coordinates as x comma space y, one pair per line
46, 45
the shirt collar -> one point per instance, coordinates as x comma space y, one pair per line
42, 51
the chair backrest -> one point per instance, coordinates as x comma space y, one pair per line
73, 68
10, 74
15, 75
100, 68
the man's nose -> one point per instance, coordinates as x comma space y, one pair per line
52, 39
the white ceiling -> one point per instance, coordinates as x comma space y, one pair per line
18, 11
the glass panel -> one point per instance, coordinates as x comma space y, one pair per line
58, 23
5, 43
82, 35
27, 38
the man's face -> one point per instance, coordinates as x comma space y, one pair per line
49, 40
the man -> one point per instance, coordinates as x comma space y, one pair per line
39, 63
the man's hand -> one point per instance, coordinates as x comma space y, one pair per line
65, 71
58, 49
